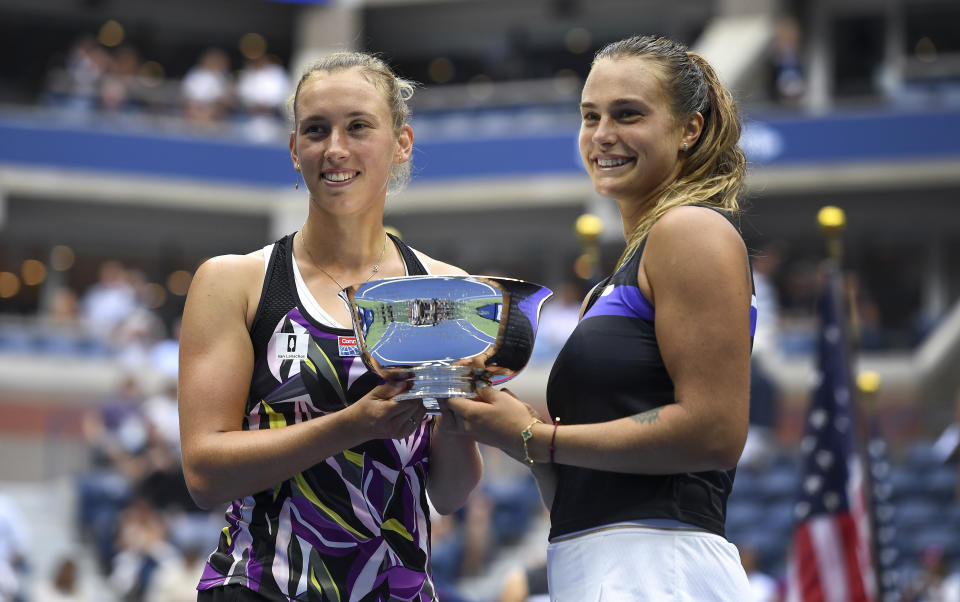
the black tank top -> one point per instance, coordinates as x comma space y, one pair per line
609, 368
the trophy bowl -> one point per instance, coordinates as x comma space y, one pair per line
445, 332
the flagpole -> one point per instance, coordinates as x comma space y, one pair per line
868, 386
832, 222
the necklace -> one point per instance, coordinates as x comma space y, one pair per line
376, 266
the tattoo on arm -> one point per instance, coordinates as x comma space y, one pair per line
647, 417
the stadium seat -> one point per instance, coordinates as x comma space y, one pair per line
913, 514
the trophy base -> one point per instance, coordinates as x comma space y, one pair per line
433, 382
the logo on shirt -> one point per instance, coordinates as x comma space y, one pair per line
291, 346
348, 346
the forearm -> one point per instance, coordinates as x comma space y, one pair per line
223, 466
665, 440
455, 469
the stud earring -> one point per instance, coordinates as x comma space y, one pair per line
685, 147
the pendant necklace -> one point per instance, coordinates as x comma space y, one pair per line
376, 266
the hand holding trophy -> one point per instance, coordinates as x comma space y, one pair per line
445, 332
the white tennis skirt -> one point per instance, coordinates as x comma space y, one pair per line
627, 563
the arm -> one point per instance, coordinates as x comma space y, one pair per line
497, 420
220, 460
695, 272
455, 462
455, 468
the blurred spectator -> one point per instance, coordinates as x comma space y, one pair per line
786, 62
164, 355
63, 585
136, 337
64, 307
933, 583
207, 89
13, 548
142, 547
117, 90
160, 411
116, 435
263, 88
528, 584
558, 318
766, 263
763, 587
799, 289
109, 301
764, 395
947, 446
175, 579
867, 325
86, 64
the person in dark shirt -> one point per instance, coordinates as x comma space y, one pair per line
650, 394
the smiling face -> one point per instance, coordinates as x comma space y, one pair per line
630, 141
344, 142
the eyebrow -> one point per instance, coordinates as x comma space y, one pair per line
616, 103
349, 115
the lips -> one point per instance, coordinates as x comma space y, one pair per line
611, 163
339, 177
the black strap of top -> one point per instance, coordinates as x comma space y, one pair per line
410, 259
277, 295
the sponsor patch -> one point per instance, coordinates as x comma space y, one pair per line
291, 346
348, 346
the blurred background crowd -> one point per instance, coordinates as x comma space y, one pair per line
136, 142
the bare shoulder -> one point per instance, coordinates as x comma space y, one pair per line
231, 271
687, 232
439, 268
694, 243
227, 282
694, 225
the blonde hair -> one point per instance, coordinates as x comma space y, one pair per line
712, 173
396, 91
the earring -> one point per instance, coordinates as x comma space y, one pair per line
685, 147
297, 187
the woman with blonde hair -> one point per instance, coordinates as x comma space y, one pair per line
327, 477
650, 393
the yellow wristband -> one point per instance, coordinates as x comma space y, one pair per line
525, 435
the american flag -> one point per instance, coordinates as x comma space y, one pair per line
831, 556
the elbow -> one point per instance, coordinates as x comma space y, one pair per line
200, 492
448, 502
725, 454
452, 497
445, 507
727, 459
202, 489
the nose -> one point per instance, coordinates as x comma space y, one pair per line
605, 133
336, 146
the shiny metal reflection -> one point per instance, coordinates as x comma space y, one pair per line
445, 332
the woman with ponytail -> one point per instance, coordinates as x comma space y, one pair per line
649, 397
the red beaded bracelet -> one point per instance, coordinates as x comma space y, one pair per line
553, 438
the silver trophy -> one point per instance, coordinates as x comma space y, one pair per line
448, 332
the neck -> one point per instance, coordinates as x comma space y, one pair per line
632, 211
337, 245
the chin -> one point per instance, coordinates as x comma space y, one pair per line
607, 190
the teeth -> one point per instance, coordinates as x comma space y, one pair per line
340, 176
612, 162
